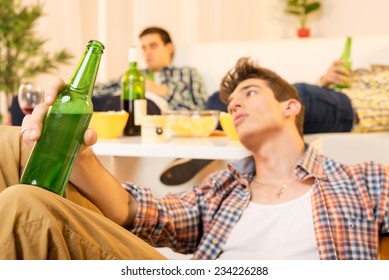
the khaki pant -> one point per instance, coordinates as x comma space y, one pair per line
38, 224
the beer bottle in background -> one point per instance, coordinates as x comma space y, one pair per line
346, 58
54, 154
133, 95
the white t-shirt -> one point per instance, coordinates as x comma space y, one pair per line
274, 232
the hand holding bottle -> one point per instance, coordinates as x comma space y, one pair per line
33, 122
338, 73
88, 175
62, 130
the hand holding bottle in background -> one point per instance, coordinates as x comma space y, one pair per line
338, 75
346, 59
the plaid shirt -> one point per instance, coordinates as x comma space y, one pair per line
187, 90
349, 204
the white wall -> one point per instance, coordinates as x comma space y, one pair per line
293, 59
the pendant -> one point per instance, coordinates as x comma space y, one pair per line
280, 190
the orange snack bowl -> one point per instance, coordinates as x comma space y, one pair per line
228, 125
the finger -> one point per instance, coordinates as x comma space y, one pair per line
333, 70
34, 124
331, 78
338, 62
346, 72
343, 67
26, 131
340, 80
338, 74
52, 89
90, 137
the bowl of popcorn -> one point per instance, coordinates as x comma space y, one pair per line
191, 123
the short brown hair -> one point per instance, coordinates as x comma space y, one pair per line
157, 30
165, 36
245, 69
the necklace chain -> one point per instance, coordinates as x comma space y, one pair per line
280, 188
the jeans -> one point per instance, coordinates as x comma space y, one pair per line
326, 110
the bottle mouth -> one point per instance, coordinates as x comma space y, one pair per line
97, 47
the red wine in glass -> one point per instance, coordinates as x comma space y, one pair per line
27, 110
29, 95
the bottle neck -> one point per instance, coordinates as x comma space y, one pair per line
346, 55
133, 64
347, 47
84, 77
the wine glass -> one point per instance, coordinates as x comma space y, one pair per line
29, 95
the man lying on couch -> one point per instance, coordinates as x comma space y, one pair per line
363, 107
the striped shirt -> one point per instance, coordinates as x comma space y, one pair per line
349, 208
369, 96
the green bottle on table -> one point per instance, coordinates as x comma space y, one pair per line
133, 95
53, 155
346, 58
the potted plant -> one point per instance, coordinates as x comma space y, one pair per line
301, 9
22, 55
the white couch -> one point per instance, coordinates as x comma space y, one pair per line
299, 60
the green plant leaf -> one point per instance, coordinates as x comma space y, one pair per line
312, 7
22, 52
301, 8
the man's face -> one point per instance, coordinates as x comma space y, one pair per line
255, 110
156, 53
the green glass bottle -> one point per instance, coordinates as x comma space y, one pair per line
133, 95
54, 154
346, 57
